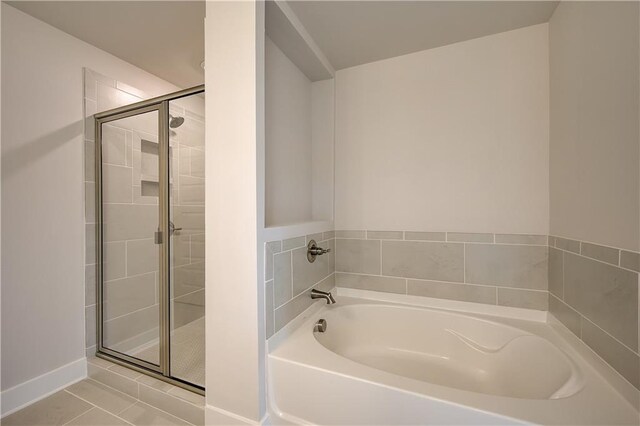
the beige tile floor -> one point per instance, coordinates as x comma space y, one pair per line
90, 403
116, 395
187, 352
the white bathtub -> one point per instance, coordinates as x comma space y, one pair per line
390, 363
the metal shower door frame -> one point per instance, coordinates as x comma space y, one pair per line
161, 105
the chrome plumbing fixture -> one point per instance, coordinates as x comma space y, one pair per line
313, 250
320, 326
172, 228
175, 122
326, 295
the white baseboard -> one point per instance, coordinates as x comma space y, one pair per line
33, 390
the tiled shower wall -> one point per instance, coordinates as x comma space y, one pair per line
496, 269
130, 268
131, 259
102, 93
593, 291
187, 212
289, 277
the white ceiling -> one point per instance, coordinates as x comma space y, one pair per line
351, 33
165, 38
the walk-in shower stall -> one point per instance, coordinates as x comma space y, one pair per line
150, 236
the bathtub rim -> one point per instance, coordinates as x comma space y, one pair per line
621, 386
575, 381
368, 296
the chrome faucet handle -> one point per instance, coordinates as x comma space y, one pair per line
313, 250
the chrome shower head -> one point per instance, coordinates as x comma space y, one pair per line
175, 122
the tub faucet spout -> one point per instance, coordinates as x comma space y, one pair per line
326, 295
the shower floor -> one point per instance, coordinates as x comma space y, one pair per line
187, 352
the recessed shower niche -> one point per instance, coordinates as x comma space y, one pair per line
148, 168
150, 236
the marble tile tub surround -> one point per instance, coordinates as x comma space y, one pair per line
497, 269
289, 277
593, 291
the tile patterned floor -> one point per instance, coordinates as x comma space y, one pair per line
114, 395
187, 352
109, 408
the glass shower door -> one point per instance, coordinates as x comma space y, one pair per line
129, 253
186, 260
150, 238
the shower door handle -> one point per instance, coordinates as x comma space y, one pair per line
172, 228
157, 236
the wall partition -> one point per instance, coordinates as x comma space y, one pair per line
150, 236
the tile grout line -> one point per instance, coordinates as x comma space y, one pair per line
597, 260
447, 241
445, 281
606, 332
584, 317
592, 243
122, 376
130, 313
171, 395
98, 407
125, 409
464, 263
138, 384
81, 414
562, 254
380, 257
165, 412
273, 310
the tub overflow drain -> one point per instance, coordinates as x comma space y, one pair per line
321, 326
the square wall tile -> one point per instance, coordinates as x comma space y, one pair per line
372, 283
305, 273
556, 272
602, 253
424, 260
358, 256
527, 299
469, 237
425, 236
282, 278
605, 294
507, 265
268, 309
619, 357
452, 291
566, 315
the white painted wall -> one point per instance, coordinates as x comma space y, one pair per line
288, 139
322, 149
234, 160
299, 143
0, 206
595, 151
451, 139
43, 190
